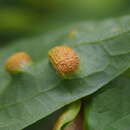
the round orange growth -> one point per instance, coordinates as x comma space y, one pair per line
64, 60
16, 62
72, 33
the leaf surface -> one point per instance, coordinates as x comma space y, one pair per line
104, 51
110, 109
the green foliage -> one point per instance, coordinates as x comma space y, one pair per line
68, 115
20, 18
104, 51
109, 109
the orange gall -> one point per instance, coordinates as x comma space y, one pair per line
17, 62
64, 59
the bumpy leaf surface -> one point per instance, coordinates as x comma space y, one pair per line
104, 51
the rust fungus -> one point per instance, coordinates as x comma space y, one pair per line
64, 60
17, 62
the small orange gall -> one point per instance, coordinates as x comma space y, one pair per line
72, 33
64, 60
17, 62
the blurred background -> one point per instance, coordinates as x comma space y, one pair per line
28, 18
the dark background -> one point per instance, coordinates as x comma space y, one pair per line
28, 18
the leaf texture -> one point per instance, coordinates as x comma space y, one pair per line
110, 108
104, 51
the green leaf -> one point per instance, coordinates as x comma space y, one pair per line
104, 50
110, 108
68, 115
46, 123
